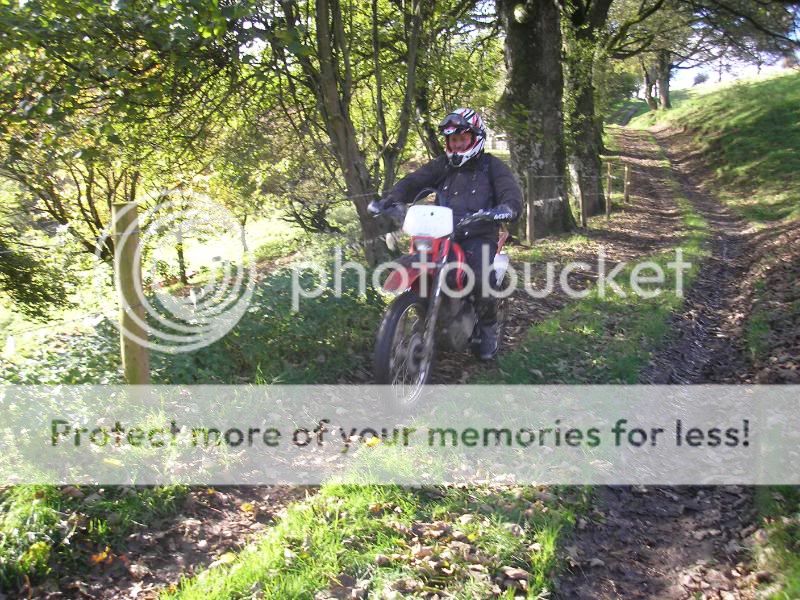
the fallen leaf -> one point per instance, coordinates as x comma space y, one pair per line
515, 573
104, 557
596, 562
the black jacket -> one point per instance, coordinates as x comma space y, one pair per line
482, 183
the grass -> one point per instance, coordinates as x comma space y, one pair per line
268, 238
46, 529
42, 530
779, 509
746, 135
640, 111
317, 343
361, 533
386, 534
450, 540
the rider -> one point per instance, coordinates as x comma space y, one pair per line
470, 182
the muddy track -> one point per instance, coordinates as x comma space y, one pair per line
680, 542
704, 345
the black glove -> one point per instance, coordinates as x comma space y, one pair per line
498, 213
501, 213
376, 207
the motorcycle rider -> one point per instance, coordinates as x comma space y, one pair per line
471, 182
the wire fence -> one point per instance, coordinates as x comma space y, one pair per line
357, 243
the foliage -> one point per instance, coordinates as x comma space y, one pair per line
33, 285
318, 344
617, 82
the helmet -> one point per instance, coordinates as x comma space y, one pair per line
463, 120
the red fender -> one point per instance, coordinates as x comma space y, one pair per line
407, 276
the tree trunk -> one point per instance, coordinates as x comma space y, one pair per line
532, 110
428, 133
584, 135
391, 151
649, 84
664, 67
334, 96
181, 261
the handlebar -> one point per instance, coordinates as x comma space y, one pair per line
479, 217
377, 208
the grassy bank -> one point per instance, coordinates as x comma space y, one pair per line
779, 549
746, 137
391, 541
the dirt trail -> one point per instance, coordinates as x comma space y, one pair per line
680, 542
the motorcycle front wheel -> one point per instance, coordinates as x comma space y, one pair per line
399, 359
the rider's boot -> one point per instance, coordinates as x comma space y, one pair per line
489, 343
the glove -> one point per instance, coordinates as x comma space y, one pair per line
376, 207
501, 213
498, 213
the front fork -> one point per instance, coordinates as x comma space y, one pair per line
432, 313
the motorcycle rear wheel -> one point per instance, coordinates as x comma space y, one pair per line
399, 359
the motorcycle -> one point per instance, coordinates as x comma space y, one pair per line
423, 317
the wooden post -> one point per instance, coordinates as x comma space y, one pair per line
626, 197
575, 176
582, 202
128, 279
530, 233
608, 191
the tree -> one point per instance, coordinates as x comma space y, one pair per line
690, 33
98, 97
353, 77
584, 23
28, 275
532, 109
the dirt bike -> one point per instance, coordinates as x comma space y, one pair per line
422, 317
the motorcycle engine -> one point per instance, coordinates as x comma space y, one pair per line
456, 322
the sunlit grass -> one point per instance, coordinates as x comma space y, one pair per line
338, 534
779, 509
747, 135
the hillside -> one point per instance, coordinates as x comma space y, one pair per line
744, 139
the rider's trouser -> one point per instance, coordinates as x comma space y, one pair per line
479, 256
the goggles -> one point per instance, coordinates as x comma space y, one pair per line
455, 124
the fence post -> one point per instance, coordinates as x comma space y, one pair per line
530, 233
626, 197
128, 277
608, 191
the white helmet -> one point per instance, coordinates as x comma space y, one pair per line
463, 120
